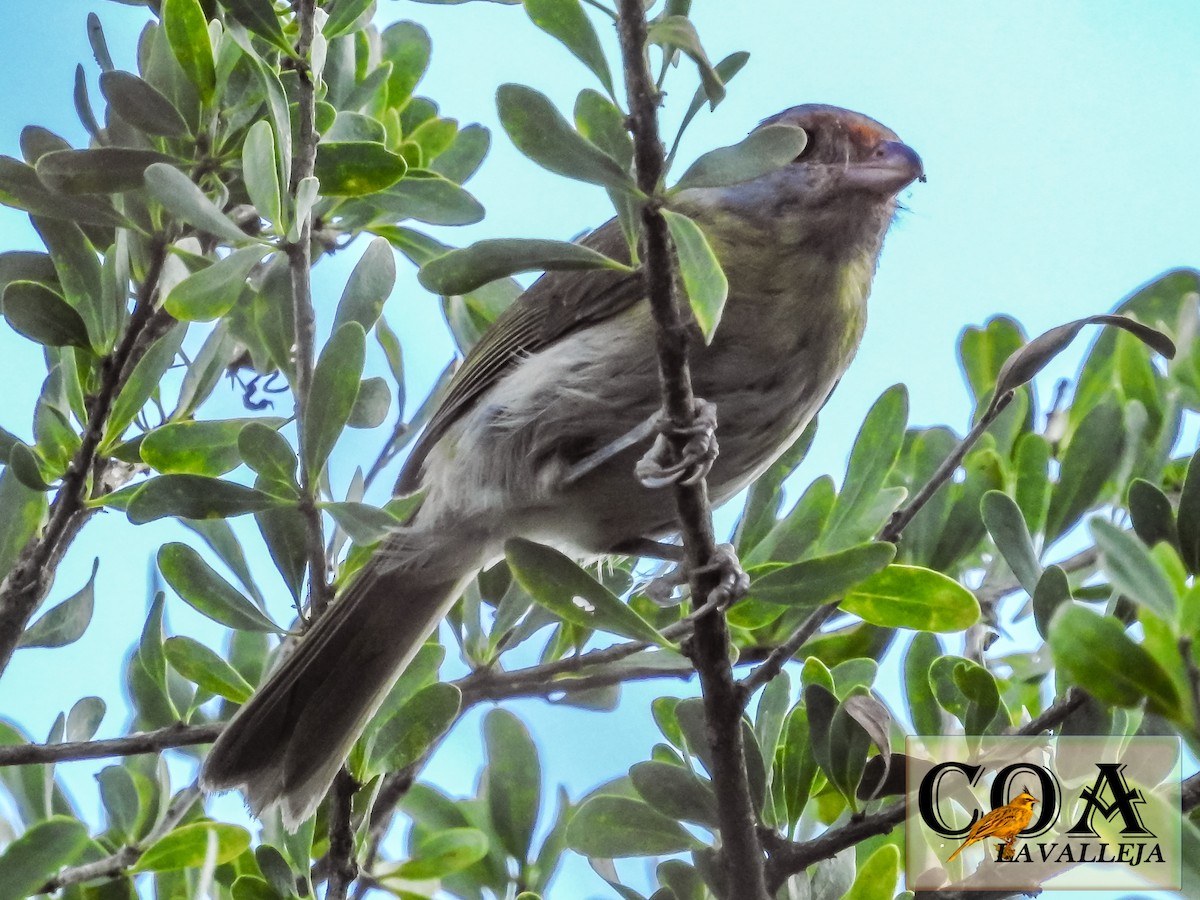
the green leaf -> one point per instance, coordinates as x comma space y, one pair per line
212, 292
763, 151
198, 448
1090, 459
195, 497
21, 189
875, 451
357, 168
36, 856
922, 705
566, 21
812, 582
432, 199
65, 623
406, 46
364, 523
268, 453
334, 388
99, 45
84, 719
679, 32
569, 592
514, 782
1152, 514
700, 269
36, 312
100, 170
207, 592
150, 651
186, 28
444, 853
1005, 523
1032, 490
465, 155
119, 795
913, 597
540, 132
181, 197
877, 876
79, 275
284, 532
982, 351
198, 664
260, 171
372, 404
369, 286
415, 727
607, 827
462, 271
141, 105
676, 792
1052, 591
142, 383
1132, 570
260, 17
1095, 652
344, 16
603, 123
1189, 514
187, 847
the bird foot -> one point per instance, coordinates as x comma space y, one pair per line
659, 468
733, 585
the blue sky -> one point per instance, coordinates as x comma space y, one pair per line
1060, 142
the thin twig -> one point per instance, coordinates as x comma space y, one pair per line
300, 264
27, 583
901, 518
132, 745
112, 866
781, 655
742, 856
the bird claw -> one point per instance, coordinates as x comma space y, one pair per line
659, 468
733, 585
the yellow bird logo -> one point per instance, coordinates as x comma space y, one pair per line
1004, 822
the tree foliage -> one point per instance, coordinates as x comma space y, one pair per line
174, 244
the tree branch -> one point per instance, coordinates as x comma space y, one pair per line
742, 855
26, 585
342, 866
112, 866
901, 518
781, 655
135, 744
300, 263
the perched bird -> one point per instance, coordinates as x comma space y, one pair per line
542, 426
1004, 822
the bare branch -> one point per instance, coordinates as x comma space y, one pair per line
135, 744
781, 655
342, 867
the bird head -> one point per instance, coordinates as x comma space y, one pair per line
1025, 800
836, 198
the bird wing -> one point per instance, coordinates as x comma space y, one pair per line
554, 306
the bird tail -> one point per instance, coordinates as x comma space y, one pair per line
960, 849
287, 743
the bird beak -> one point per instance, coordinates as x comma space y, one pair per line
892, 167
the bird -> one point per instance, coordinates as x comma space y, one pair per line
1004, 822
542, 427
